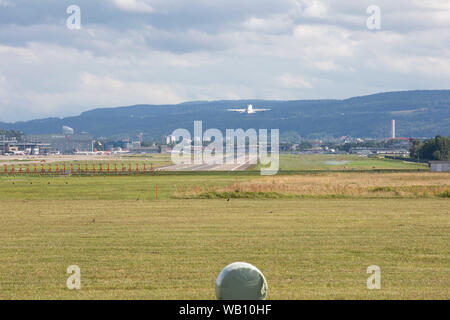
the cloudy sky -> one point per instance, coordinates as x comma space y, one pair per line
169, 51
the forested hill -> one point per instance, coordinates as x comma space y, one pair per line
418, 114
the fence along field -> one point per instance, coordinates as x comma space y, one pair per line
87, 168
84, 165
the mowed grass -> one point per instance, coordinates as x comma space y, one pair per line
174, 249
127, 187
293, 162
130, 245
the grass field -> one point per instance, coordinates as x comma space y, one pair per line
314, 240
342, 162
169, 249
24, 187
334, 185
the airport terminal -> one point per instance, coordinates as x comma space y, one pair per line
66, 142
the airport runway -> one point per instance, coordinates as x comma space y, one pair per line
239, 164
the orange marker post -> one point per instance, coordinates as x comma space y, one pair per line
12, 169
156, 191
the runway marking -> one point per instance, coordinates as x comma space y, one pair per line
213, 167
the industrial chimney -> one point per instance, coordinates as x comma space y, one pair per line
393, 129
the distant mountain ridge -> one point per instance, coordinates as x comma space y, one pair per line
418, 113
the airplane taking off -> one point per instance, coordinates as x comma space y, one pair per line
249, 110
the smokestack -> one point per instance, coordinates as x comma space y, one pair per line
393, 129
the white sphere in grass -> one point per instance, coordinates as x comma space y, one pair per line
241, 281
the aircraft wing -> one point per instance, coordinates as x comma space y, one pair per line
237, 110
261, 110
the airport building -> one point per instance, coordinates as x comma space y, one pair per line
380, 151
440, 166
12, 146
66, 143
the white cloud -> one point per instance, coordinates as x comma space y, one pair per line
273, 24
288, 49
134, 5
312, 8
298, 82
22, 54
325, 41
425, 66
107, 83
326, 65
122, 92
432, 4
6, 3
4, 97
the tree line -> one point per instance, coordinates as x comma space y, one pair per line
437, 148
